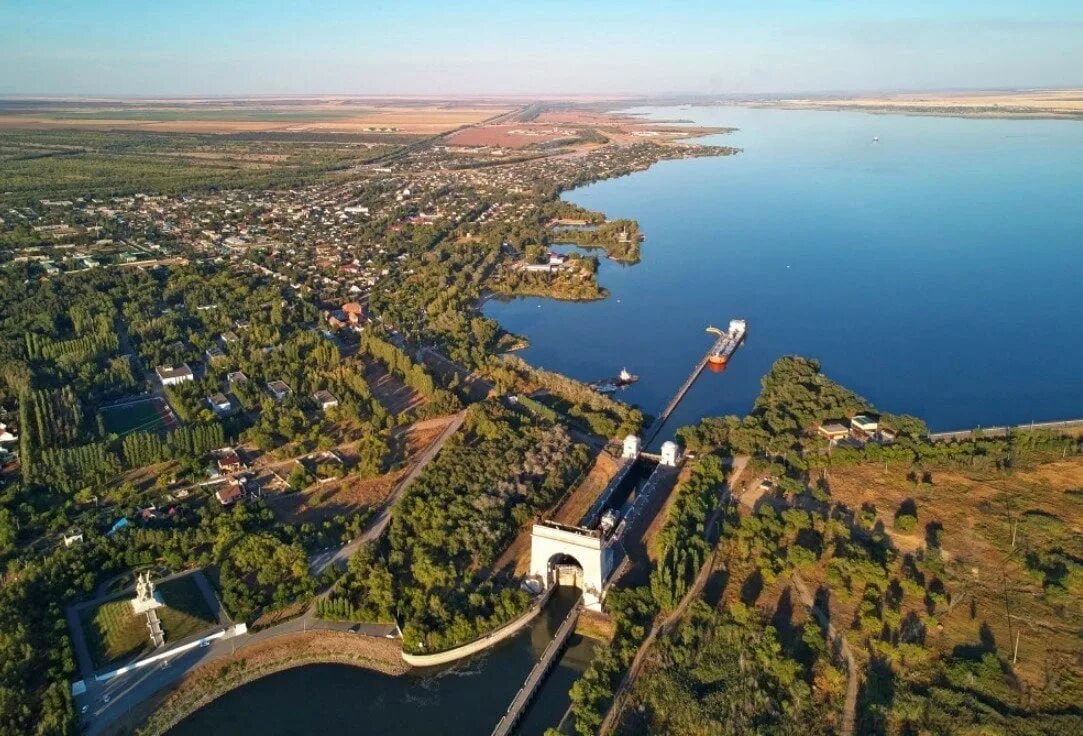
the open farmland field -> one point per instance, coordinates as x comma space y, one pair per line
511, 136
329, 115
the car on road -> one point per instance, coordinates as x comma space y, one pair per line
84, 709
106, 698
206, 643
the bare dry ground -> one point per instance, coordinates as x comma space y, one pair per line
420, 116
1043, 505
352, 493
1026, 103
517, 135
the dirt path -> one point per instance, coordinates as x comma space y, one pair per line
849, 709
667, 623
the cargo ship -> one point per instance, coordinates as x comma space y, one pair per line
624, 379
727, 342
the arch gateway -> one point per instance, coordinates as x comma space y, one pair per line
570, 555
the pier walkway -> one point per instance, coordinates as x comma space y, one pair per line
537, 675
966, 434
663, 417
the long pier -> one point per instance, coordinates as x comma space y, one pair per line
663, 417
1003, 431
537, 676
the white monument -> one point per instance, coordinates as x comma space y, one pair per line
671, 454
146, 597
631, 447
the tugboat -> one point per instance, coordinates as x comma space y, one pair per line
623, 380
727, 342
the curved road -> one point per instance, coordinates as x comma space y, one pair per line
110, 703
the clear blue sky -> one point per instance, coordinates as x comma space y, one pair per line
187, 47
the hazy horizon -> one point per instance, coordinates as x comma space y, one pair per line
120, 48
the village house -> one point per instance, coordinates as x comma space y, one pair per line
325, 399
278, 389
170, 376
229, 461
355, 313
220, 404
236, 378
834, 430
215, 354
232, 492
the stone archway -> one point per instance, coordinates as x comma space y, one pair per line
562, 554
564, 569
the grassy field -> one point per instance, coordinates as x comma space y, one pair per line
140, 417
115, 634
186, 611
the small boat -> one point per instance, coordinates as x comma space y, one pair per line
876, 139
623, 380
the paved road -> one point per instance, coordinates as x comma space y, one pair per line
110, 702
375, 528
966, 434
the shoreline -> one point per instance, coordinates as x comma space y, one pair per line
947, 111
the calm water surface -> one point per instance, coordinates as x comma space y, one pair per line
464, 700
937, 272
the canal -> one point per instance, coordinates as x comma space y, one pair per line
466, 699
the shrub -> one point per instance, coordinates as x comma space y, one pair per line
906, 523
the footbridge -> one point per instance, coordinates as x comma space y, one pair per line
537, 675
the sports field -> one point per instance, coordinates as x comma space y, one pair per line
149, 415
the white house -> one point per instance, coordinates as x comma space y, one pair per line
170, 376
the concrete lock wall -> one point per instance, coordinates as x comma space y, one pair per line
550, 546
478, 645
